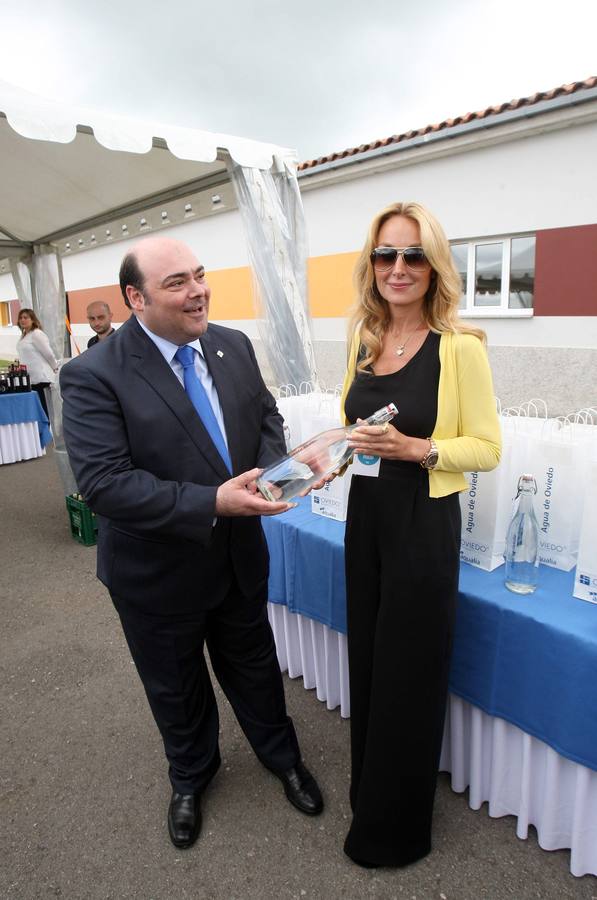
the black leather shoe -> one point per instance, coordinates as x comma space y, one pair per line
301, 789
184, 819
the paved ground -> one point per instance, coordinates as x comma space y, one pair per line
84, 791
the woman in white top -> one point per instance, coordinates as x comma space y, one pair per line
34, 351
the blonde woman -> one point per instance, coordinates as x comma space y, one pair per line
408, 347
33, 348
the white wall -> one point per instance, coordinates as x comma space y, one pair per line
528, 184
7, 288
542, 181
546, 181
218, 241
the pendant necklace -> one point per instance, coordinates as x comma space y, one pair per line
399, 350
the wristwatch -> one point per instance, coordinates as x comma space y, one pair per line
430, 459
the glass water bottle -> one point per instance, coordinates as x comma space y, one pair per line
312, 460
522, 541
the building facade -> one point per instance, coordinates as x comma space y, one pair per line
515, 189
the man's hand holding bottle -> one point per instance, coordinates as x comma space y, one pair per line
239, 497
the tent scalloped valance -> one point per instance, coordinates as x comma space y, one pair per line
45, 120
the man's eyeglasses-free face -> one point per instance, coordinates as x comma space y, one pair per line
384, 258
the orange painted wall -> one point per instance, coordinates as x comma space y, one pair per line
329, 279
231, 297
78, 301
330, 284
560, 289
231, 294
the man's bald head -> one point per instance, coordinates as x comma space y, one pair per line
133, 269
99, 316
97, 307
164, 284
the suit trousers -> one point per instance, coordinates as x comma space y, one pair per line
169, 654
402, 565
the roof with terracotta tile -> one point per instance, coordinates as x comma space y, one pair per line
539, 97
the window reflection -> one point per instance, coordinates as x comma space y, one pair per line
460, 254
488, 274
522, 273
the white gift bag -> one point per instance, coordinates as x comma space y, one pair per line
585, 584
320, 412
288, 403
331, 500
557, 464
486, 506
307, 412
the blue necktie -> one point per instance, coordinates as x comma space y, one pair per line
198, 397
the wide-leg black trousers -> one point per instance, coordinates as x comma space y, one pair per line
402, 564
169, 654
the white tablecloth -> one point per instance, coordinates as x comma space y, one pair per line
515, 773
19, 442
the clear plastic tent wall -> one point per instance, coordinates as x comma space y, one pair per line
271, 208
269, 202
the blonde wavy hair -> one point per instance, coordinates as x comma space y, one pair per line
371, 313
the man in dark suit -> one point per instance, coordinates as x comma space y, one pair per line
180, 544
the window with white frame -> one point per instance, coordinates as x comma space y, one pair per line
498, 275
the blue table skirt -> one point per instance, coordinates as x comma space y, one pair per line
530, 660
18, 408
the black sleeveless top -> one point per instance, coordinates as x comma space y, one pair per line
413, 389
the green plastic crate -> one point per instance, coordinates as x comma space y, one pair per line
83, 523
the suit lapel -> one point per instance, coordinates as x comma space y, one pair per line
154, 369
219, 365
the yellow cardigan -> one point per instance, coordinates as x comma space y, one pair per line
467, 431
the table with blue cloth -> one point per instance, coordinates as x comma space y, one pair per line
522, 723
24, 427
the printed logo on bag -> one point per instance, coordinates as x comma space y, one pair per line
586, 579
471, 545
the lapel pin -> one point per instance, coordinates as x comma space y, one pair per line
219, 353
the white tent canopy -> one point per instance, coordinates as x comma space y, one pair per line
66, 172
66, 168
69, 172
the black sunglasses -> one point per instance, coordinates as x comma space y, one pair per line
383, 258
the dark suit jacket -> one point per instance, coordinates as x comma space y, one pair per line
146, 465
95, 339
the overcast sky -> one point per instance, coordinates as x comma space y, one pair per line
315, 75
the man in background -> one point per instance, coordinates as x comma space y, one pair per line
99, 316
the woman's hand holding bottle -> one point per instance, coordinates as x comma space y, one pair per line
387, 442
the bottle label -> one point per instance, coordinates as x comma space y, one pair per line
385, 414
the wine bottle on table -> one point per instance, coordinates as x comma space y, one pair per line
25, 378
312, 460
15, 377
